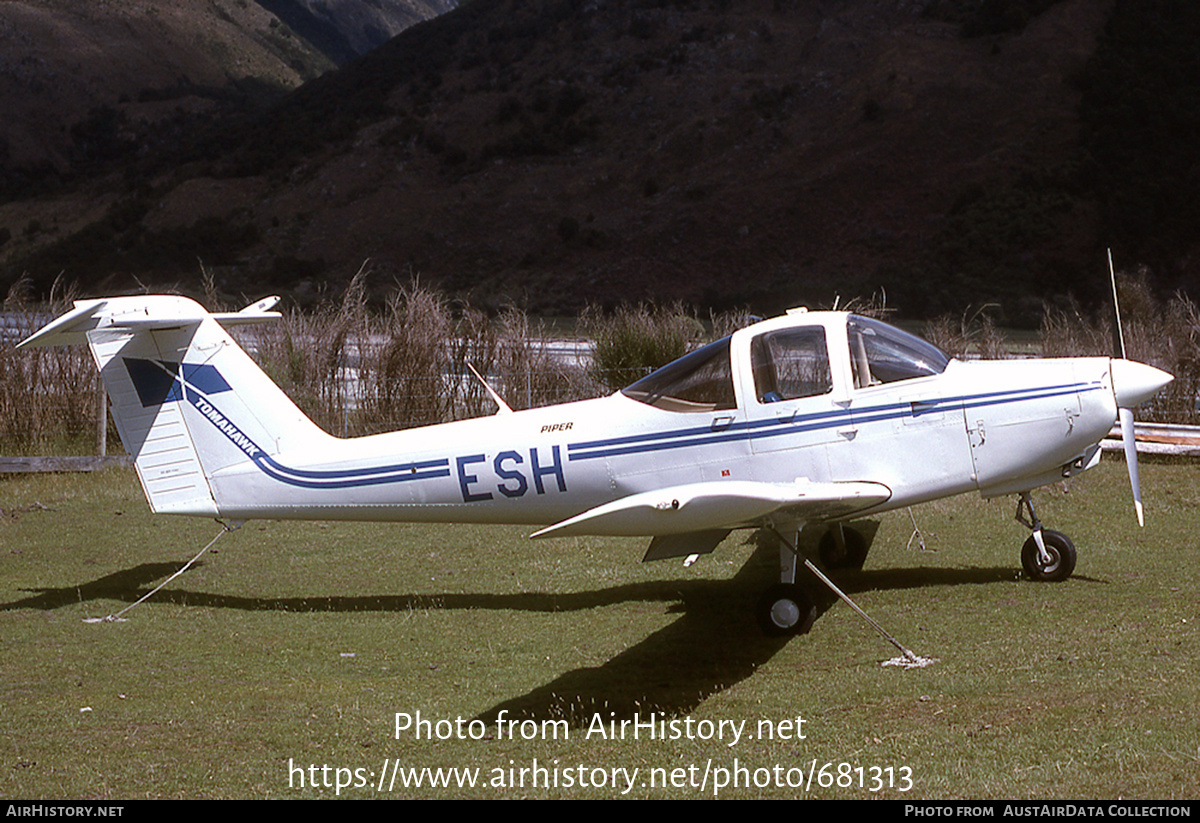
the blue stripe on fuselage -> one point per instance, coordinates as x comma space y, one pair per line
760, 429
690, 437
316, 478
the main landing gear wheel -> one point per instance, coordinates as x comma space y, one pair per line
785, 610
850, 556
1062, 557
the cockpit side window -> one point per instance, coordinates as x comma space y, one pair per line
790, 363
880, 353
698, 382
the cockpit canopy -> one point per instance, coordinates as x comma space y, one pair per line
790, 362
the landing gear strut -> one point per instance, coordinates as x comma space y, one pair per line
785, 608
781, 613
1047, 554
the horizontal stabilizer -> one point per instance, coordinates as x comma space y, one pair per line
68, 329
152, 313
699, 507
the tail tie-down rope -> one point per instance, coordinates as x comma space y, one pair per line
119, 616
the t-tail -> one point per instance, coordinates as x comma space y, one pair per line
176, 381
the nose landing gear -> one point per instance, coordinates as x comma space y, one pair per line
1047, 555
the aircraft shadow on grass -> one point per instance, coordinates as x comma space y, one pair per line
714, 644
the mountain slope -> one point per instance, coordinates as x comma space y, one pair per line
345, 29
68, 65
555, 152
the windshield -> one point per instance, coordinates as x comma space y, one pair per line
698, 382
881, 353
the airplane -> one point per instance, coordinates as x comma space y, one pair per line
812, 417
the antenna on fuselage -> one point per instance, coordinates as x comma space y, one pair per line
504, 407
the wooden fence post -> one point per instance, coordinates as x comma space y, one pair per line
102, 421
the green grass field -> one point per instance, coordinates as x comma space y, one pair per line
292, 647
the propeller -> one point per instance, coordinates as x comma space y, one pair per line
1133, 383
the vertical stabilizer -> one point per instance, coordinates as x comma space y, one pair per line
176, 382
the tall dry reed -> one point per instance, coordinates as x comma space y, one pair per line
1162, 333
310, 356
972, 333
358, 370
531, 374
49, 397
634, 340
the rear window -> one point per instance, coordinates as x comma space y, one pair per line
698, 382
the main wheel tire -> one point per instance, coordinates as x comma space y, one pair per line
785, 609
1062, 557
833, 557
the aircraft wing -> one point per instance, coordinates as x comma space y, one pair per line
715, 505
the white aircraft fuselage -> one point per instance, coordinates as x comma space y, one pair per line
967, 429
989, 426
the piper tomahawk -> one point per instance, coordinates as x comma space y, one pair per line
811, 417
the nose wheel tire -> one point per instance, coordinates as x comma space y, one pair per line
785, 609
1062, 557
